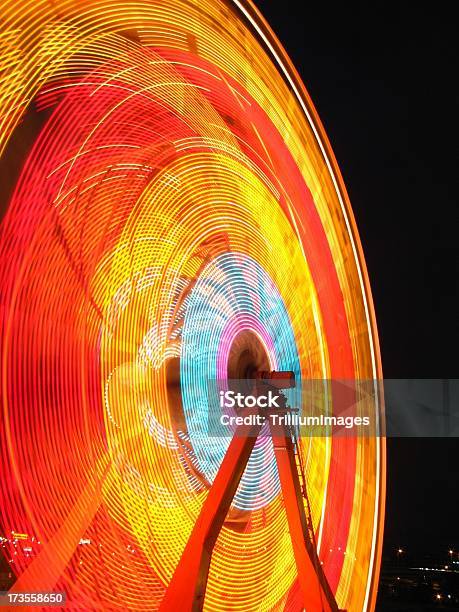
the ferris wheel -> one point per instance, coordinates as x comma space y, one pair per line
178, 218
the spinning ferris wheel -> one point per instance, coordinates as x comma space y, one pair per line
179, 217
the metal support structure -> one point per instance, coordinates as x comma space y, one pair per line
187, 588
317, 595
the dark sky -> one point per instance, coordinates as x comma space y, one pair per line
382, 78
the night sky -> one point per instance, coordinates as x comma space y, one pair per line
382, 77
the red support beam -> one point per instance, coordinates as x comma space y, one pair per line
187, 588
317, 595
